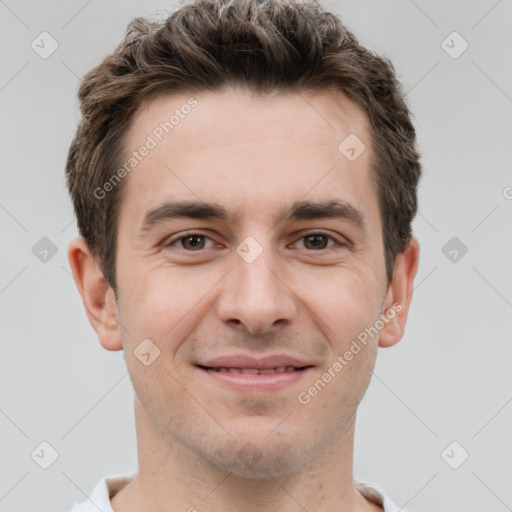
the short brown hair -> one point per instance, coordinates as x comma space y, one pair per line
265, 45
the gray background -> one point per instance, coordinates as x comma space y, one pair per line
447, 380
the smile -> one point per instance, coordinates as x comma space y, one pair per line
243, 373
255, 371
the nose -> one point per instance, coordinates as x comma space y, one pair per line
256, 295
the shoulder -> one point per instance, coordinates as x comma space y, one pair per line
103, 491
376, 495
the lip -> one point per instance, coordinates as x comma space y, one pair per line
255, 382
263, 363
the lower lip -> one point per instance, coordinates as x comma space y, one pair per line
264, 382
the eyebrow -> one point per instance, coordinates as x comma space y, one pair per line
299, 210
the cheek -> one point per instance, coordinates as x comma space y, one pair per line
164, 301
345, 300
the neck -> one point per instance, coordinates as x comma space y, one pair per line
171, 477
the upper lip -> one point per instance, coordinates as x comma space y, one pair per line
244, 361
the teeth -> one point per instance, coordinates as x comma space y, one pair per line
250, 371
256, 371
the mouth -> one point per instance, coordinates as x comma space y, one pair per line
254, 371
245, 373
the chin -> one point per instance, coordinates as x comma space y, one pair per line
250, 460
260, 455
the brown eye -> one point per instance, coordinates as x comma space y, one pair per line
316, 241
320, 242
193, 242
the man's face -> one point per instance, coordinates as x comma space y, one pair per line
275, 288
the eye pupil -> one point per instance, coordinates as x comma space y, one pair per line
193, 241
317, 241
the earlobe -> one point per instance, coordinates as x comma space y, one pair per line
96, 293
399, 295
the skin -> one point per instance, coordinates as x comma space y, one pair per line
255, 155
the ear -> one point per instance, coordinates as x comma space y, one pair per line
399, 295
97, 295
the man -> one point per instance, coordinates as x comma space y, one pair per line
244, 177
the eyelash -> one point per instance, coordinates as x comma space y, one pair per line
337, 243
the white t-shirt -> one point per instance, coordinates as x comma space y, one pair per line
109, 486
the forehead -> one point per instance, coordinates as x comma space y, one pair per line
216, 119
256, 153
